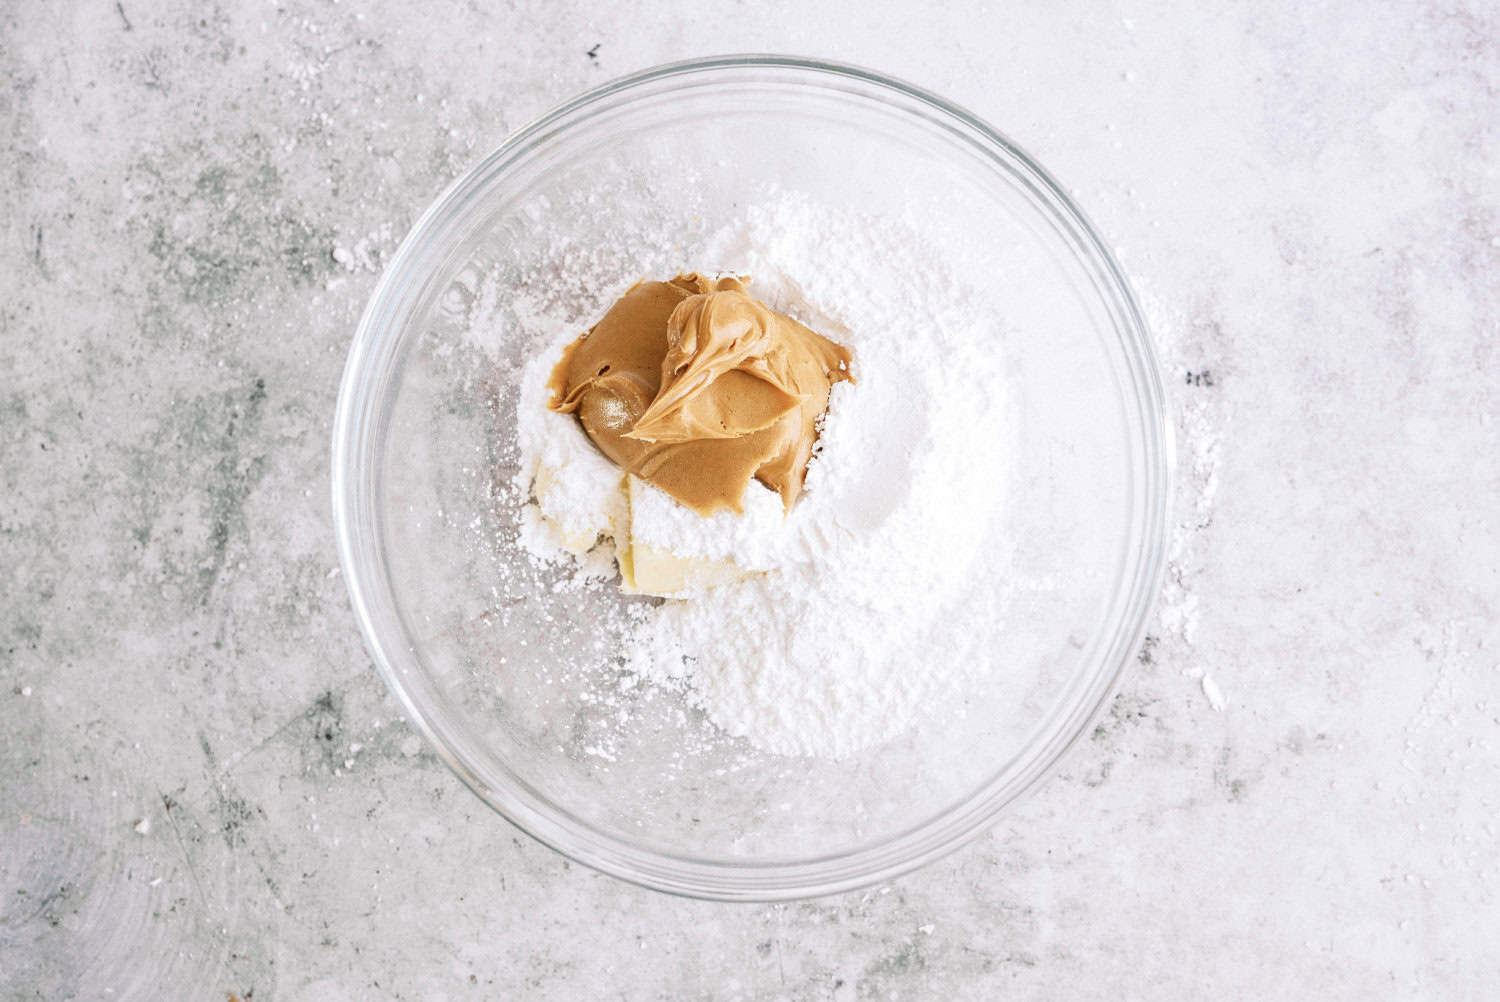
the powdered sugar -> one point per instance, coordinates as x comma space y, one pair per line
877, 597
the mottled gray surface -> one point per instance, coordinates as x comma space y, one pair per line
205, 791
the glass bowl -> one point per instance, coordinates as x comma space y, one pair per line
507, 677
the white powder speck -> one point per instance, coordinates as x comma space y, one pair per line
1212, 691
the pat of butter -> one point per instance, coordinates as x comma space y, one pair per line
575, 535
659, 572
652, 570
576, 542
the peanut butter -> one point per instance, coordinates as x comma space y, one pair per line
696, 387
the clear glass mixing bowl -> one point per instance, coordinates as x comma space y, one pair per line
490, 663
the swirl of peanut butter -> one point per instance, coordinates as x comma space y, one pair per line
696, 387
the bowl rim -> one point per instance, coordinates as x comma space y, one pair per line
903, 851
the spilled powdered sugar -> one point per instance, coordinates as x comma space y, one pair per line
877, 598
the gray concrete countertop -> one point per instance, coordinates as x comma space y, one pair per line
205, 791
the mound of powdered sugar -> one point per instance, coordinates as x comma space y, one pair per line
878, 598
